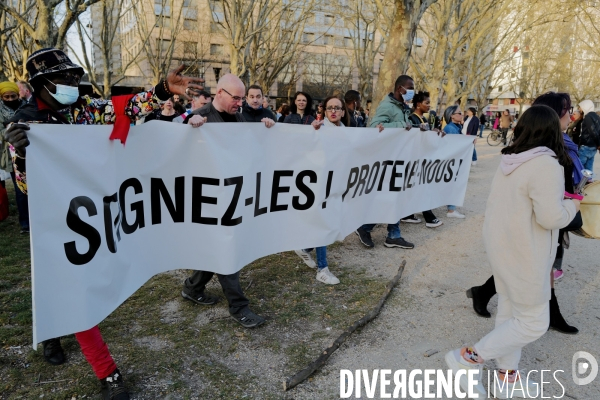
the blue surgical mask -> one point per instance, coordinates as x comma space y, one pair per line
408, 96
66, 95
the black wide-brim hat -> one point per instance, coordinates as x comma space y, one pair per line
49, 61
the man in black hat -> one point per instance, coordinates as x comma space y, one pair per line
55, 80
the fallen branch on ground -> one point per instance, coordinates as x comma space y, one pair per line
319, 362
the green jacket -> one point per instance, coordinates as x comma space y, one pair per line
391, 113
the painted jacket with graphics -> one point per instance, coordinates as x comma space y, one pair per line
86, 111
391, 113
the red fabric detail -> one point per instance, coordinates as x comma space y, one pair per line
96, 352
122, 121
3, 204
42, 105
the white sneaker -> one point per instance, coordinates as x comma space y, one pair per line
305, 256
455, 361
455, 214
521, 389
327, 277
473, 162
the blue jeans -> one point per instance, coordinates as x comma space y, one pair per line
393, 229
481, 128
586, 155
474, 154
451, 208
321, 257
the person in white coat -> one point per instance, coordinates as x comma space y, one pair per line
524, 212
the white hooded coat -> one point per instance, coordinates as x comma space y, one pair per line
524, 211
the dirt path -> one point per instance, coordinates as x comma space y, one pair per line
429, 309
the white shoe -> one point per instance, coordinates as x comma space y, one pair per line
455, 214
455, 361
325, 276
305, 256
473, 162
521, 389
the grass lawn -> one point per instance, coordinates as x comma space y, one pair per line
168, 347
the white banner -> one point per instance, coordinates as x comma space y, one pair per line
105, 217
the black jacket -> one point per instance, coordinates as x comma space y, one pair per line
295, 119
253, 115
211, 114
590, 131
473, 127
356, 120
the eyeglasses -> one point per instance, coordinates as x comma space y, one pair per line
458, 113
236, 98
334, 108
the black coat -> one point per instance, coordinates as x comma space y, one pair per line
211, 114
473, 127
295, 119
254, 115
590, 131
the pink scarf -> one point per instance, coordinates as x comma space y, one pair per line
510, 162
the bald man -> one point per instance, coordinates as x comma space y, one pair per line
224, 108
226, 105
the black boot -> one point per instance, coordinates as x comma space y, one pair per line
113, 387
557, 322
53, 352
481, 296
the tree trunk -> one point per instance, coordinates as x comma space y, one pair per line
397, 54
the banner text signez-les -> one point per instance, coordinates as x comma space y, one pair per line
362, 180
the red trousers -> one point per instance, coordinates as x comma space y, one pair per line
96, 352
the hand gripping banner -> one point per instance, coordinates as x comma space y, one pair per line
105, 217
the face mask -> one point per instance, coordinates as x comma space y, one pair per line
12, 104
64, 94
408, 96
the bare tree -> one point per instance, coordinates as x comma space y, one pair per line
53, 20
403, 23
327, 74
106, 42
15, 42
158, 29
273, 49
364, 21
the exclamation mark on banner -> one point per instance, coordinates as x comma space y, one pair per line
458, 169
328, 189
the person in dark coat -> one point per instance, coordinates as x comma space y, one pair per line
301, 110
253, 108
471, 127
224, 108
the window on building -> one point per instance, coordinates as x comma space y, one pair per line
308, 37
163, 46
216, 6
189, 48
215, 27
190, 13
329, 19
347, 41
216, 49
328, 40
162, 21
190, 24
500, 88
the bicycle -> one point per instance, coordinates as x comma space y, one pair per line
495, 138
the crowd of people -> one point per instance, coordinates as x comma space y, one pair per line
526, 208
